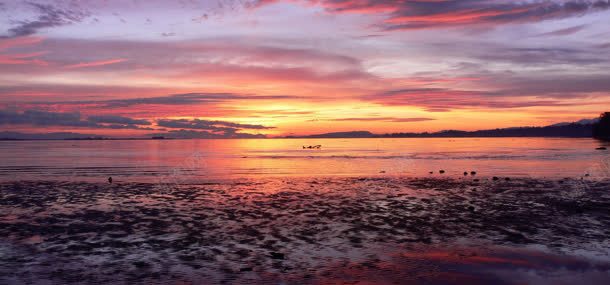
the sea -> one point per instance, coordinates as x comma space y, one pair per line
195, 160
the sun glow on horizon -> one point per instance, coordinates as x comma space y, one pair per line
112, 70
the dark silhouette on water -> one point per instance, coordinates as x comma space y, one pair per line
601, 129
318, 146
109, 179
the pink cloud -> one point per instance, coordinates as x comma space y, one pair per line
95, 63
23, 58
18, 42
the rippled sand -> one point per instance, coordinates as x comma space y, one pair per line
307, 231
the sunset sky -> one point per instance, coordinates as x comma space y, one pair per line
213, 68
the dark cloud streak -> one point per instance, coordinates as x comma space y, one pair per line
45, 119
49, 17
186, 99
207, 125
426, 14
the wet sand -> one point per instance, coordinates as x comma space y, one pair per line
383, 230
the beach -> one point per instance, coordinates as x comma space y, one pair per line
307, 230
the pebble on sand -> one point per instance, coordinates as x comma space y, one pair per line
465, 173
441, 171
473, 173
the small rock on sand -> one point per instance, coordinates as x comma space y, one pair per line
277, 255
441, 171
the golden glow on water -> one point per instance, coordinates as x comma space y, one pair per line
198, 159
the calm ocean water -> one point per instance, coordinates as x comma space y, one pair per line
193, 160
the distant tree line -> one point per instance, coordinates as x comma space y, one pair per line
569, 130
601, 129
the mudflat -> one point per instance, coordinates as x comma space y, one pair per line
336, 230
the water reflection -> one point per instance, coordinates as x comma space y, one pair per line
455, 264
143, 160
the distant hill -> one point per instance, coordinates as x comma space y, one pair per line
581, 122
579, 129
354, 134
